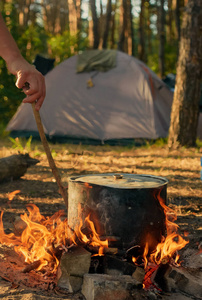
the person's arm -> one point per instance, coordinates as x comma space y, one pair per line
23, 71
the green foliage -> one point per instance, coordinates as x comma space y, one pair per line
3, 133
65, 45
11, 18
160, 142
199, 143
10, 95
171, 57
33, 41
30, 40
23, 146
153, 62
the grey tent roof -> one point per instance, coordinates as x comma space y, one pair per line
128, 101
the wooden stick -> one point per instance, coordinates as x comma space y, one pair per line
51, 161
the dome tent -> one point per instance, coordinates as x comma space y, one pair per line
126, 101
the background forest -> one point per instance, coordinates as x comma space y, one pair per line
148, 30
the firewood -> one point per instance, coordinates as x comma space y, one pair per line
19, 226
15, 166
32, 266
160, 278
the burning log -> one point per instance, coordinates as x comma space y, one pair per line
109, 250
15, 166
160, 275
32, 266
19, 226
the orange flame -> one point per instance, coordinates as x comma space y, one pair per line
12, 195
167, 248
170, 244
93, 239
39, 238
8, 239
43, 235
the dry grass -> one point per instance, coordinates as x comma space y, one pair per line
181, 167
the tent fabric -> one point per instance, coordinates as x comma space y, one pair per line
128, 101
99, 60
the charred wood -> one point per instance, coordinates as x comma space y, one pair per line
32, 266
160, 276
113, 251
97, 265
116, 266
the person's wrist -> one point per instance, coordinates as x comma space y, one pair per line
15, 63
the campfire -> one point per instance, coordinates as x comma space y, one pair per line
42, 241
135, 242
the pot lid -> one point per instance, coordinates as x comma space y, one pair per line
122, 180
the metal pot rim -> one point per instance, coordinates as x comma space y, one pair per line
117, 180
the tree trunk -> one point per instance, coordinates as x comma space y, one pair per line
162, 39
121, 27
101, 26
64, 16
149, 33
170, 21
107, 24
177, 19
51, 14
131, 28
90, 33
78, 21
185, 108
125, 41
72, 17
141, 45
113, 27
95, 24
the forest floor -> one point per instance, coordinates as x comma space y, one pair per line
181, 168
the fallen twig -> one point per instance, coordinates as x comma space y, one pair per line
5, 278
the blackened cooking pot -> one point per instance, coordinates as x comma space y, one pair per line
125, 206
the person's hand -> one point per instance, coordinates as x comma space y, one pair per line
27, 75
